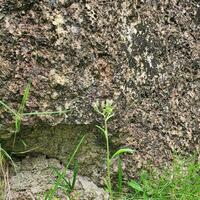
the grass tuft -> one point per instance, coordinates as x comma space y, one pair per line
180, 182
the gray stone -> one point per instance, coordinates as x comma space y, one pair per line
30, 183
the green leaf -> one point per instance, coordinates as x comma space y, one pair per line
121, 151
74, 153
75, 173
25, 98
8, 108
133, 184
120, 174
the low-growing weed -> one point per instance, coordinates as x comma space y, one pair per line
106, 111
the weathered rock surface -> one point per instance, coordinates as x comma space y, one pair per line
60, 142
35, 176
142, 54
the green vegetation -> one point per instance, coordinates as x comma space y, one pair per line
180, 182
106, 111
61, 182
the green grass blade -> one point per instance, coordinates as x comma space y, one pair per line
109, 116
59, 173
61, 176
122, 151
120, 175
19, 116
45, 113
25, 98
75, 152
8, 108
56, 185
134, 185
51, 192
17, 128
75, 173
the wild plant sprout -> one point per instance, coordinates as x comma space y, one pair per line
106, 110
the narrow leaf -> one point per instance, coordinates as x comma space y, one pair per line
8, 108
121, 151
74, 153
24, 152
134, 185
75, 172
24, 99
45, 113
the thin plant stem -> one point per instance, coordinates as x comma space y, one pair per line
106, 110
109, 185
45, 113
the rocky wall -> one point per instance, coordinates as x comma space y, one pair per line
141, 54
